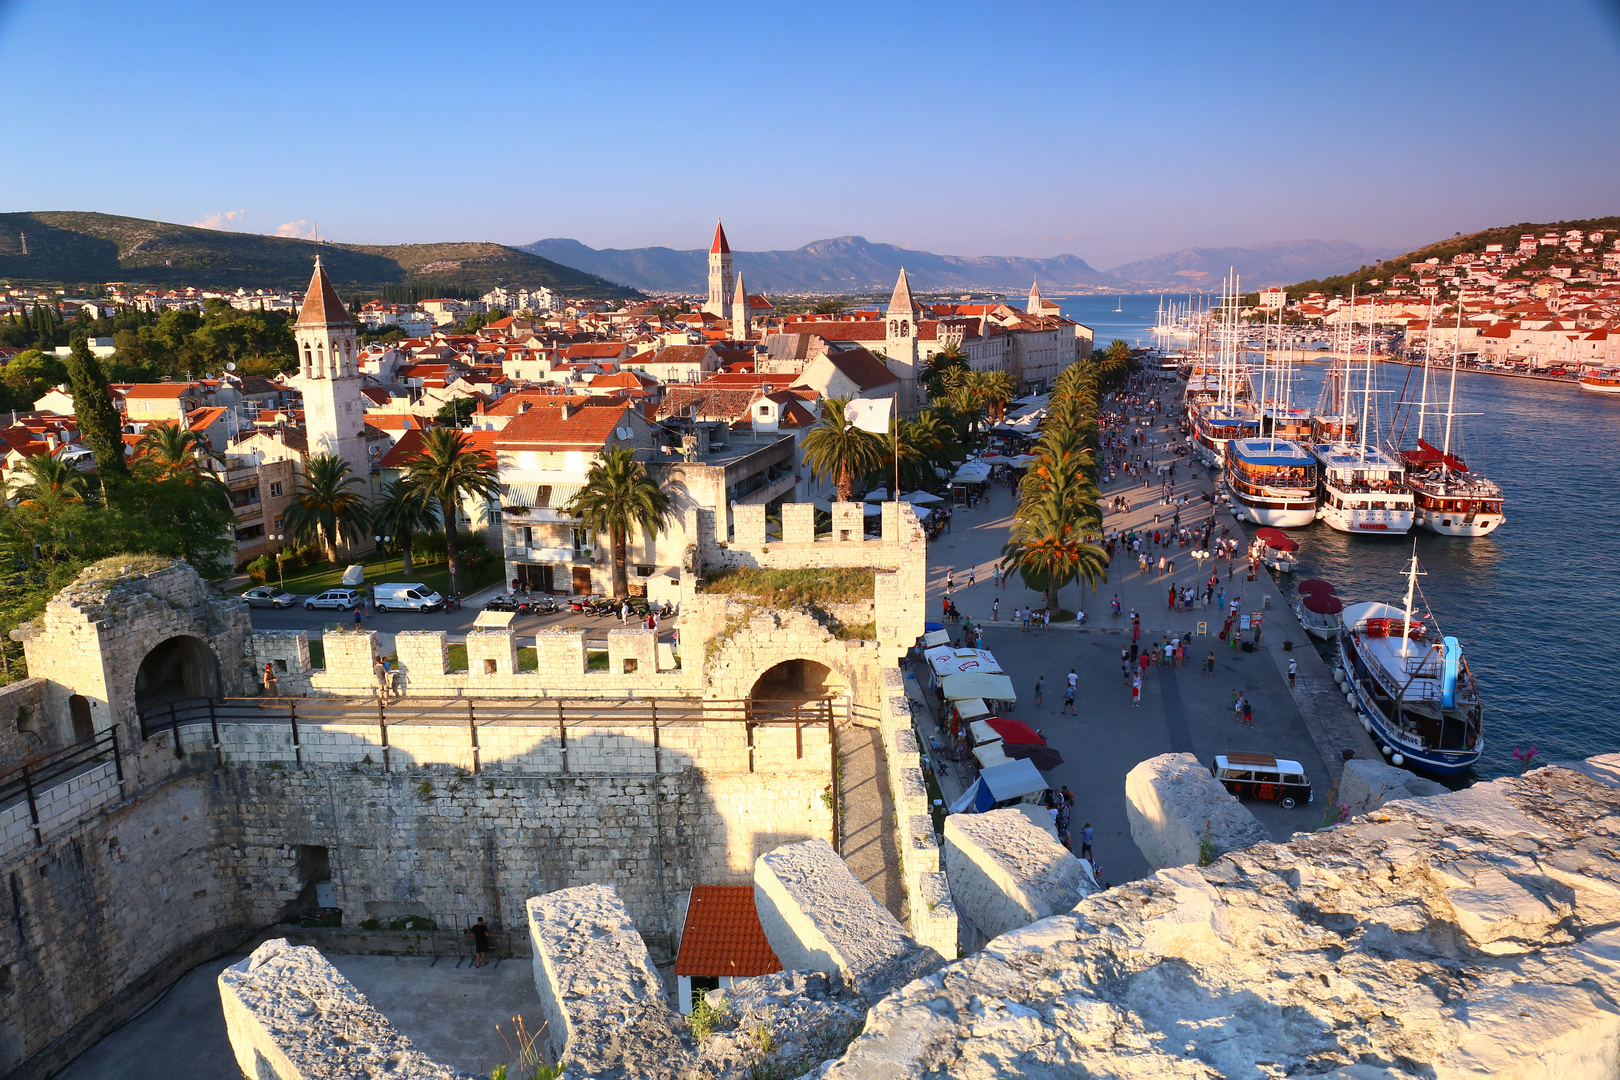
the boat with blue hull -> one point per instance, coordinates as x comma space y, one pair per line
1411, 686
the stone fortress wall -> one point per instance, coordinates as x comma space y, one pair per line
204, 845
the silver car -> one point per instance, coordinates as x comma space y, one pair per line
269, 596
341, 599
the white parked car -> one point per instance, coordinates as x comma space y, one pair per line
341, 599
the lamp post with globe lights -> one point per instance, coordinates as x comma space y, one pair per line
383, 542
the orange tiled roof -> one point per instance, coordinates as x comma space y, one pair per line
723, 935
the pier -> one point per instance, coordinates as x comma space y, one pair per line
1180, 709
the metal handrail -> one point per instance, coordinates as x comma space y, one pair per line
40, 773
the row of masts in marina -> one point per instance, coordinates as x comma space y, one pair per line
1286, 467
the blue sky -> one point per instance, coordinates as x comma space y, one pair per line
1112, 131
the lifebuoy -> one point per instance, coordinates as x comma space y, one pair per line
1377, 628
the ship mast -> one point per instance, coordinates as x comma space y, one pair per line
1411, 592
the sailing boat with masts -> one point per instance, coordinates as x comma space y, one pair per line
1448, 497
1232, 415
1270, 479
1363, 486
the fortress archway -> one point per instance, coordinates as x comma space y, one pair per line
179, 667
782, 685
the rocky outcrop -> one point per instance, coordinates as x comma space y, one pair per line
819, 917
1005, 872
1367, 784
1467, 934
1179, 813
291, 1015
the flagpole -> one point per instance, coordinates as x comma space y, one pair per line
896, 407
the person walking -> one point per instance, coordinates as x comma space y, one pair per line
1248, 712
970, 577
1293, 669
1068, 702
1136, 692
480, 939
1040, 689
1046, 621
995, 610
379, 670
1065, 813
1125, 665
1072, 679
357, 622
270, 689
950, 579
1209, 666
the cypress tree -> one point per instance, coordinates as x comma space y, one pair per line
93, 408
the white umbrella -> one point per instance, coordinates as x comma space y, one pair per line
973, 472
995, 459
1024, 461
922, 497
978, 684
878, 495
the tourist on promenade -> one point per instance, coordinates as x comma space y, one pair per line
995, 610
1248, 712
950, 579
970, 576
1136, 692
1209, 666
1293, 669
1065, 813
270, 690
357, 625
1125, 665
1068, 702
480, 936
1040, 689
380, 671
1046, 621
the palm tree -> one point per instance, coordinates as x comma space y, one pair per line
999, 388
1049, 547
324, 509
402, 511
618, 495
838, 449
167, 451
951, 358
448, 468
48, 483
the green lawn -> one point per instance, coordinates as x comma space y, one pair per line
380, 569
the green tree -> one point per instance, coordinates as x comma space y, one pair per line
99, 427
1049, 548
836, 448
325, 509
457, 411
46, 483
403, 511
619, 495
167, 451
951, 358
447, 469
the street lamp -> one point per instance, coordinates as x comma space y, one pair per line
281, 575
382, 541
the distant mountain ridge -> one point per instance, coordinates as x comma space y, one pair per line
843, 264
82, 247
853, 264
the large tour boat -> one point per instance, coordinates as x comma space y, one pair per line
1271, 482
1447, 497
1602, 381
1411, 685
1217, 425
1364, 490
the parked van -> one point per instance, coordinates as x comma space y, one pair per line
1261, 776
409, 596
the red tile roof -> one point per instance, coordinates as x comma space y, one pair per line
723, 935
160, 390
322, 305
410, 444
545, 427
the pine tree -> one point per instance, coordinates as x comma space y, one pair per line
93, 407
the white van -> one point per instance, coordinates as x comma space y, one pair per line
407, 596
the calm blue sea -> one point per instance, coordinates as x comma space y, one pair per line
1533, 603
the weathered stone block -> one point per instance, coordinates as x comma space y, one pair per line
1172, 802
1367, 784
1006, 873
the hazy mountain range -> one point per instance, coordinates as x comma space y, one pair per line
849, 264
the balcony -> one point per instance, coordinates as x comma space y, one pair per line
558, 556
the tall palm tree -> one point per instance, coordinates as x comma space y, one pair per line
168, 451
1050, 548
448, 468
619, 495
325, 509
998, 388
402, 511
951, 358
836, 448
47, 483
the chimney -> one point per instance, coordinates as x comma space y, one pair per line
567, 410
50, 441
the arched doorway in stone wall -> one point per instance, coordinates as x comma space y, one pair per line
792, 682
79, 715
181, 667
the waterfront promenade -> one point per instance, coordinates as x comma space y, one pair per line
1180, 710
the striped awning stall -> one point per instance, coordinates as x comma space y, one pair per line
529, 495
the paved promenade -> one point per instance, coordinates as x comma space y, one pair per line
1181, 710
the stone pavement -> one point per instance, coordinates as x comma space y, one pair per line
1181, 710
867, 810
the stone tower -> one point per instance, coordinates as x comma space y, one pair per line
719, 272
900, 341
1034, 305
739, 312
329, 378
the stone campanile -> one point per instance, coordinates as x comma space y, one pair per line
719, 273
900, 341
329, 378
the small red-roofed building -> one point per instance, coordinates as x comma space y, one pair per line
721, 940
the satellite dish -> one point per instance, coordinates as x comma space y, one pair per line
231, 366
624, 432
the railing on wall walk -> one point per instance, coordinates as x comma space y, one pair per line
558, 714
47, 770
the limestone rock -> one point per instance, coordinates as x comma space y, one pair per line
780, 1024
1441, 937
604, 1004
291, 1015
818, 917
1171, 800
1368, 784
1006, 873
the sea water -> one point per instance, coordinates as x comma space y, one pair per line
1536, 604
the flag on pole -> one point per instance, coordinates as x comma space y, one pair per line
869, 414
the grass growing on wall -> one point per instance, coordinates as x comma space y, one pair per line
528, 660
457, 656
797, 588
596, 661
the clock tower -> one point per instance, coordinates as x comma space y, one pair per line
329, 378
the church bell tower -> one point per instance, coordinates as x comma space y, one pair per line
719, 273
329, 378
